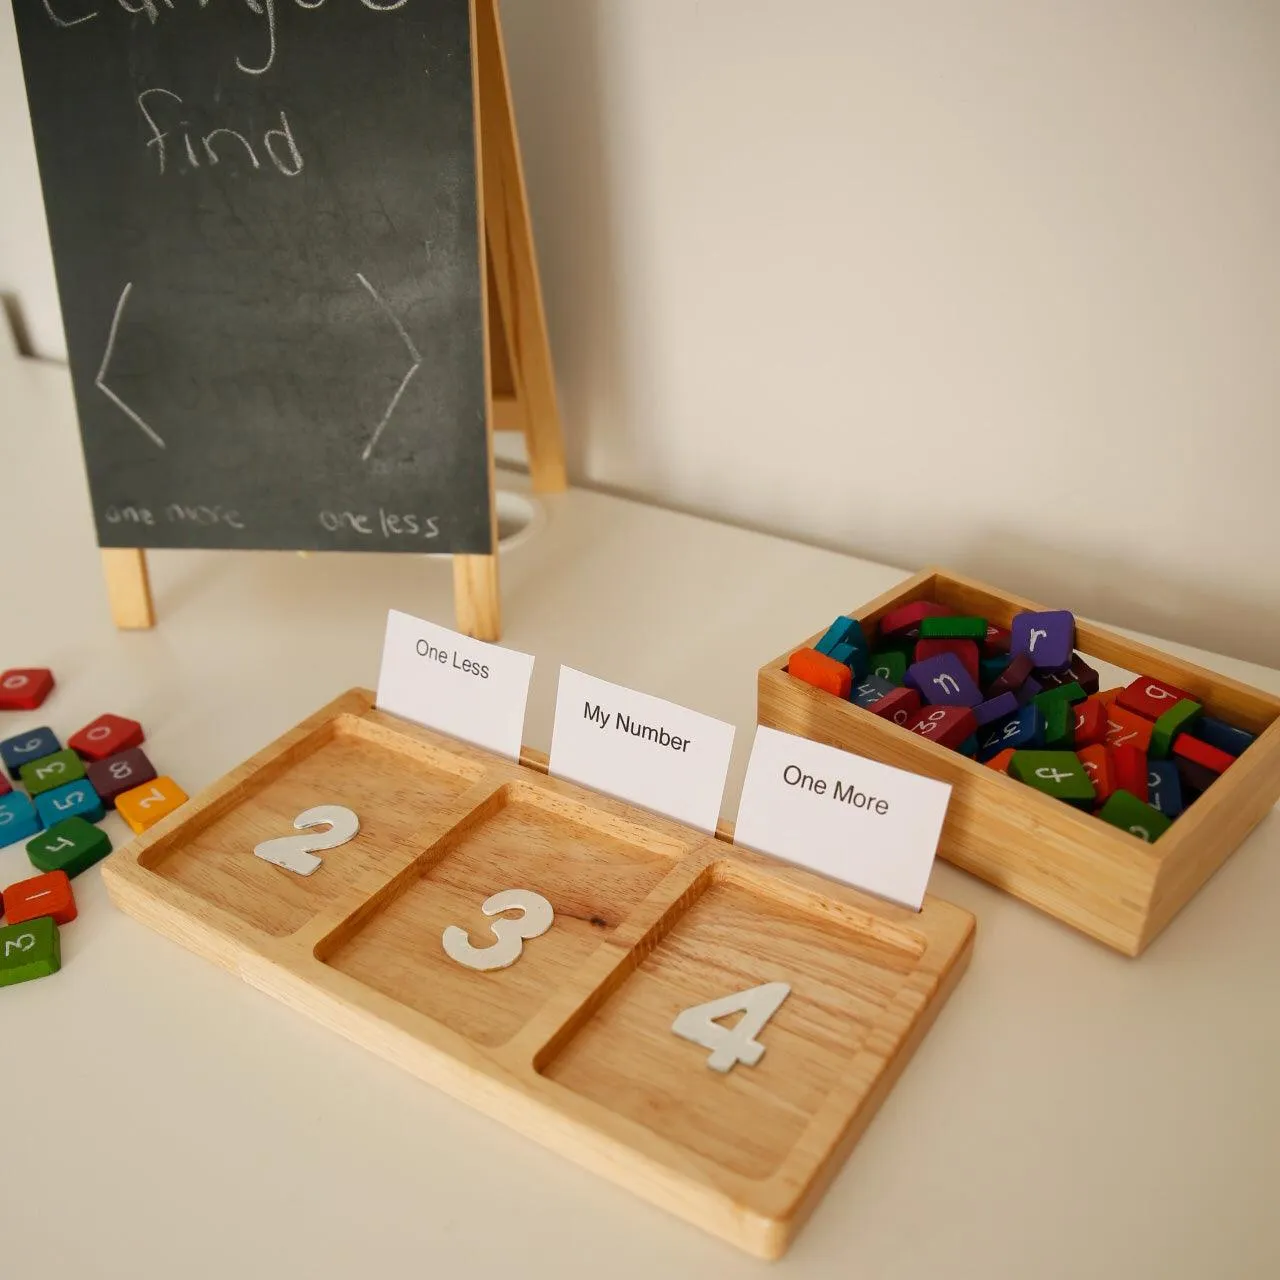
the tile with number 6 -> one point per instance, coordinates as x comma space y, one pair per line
144, 806
22, 748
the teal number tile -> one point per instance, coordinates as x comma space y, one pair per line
52, 771
28, 951
73, 846
75, 800
18, 818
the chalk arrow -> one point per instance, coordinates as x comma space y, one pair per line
100, 380
404, 382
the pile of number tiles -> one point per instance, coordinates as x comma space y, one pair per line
61, 794
1022, 701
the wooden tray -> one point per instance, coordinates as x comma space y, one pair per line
573, 1044
1105, 882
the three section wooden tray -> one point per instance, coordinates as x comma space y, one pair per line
573, 1043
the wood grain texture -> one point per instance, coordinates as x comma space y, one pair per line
128, 588
1101, 880
572, 1044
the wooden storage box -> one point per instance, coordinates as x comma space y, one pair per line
1105, 882
572, 1042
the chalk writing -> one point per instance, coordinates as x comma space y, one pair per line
279, 144
100, 380
390, 524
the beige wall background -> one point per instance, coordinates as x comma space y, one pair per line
994, 284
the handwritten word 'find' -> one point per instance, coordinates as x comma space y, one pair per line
63, 13
289, 163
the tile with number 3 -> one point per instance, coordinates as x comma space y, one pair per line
28, 951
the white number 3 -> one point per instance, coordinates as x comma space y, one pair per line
729, 1047
536, 917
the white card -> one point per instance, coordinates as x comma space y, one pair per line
640, 748
446, 681
868, 824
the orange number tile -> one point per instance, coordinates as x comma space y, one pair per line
144, 806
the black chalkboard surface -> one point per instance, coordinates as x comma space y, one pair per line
264, 217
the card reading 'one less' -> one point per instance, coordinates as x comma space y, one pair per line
640, 748
868, 824
446, 681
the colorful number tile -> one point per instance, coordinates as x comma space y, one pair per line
1048, 638
1178, 719
1054, 679
73, 846
1001, 762
999, 708
1057, 773
51, 771
106, 736
965, 650
1068, 694
74, 800
948, 726
1129, 814
905, 620
818, 669
854, 657
969, 747
1083, 674
22, 748
120, 773
841, 631
1130, 771
144, 806
1149, 697
18, 818
1204, 754
1016, 673
899, 706
996, 641
991, 667
944, 681
24, 688
1059, 725
869, 690
1028, 691
1226, 737
1128, 729
30, 950
44, 895
953, 627
1164, 788
890, 665
1097, 762
1195, 778
1021, 731
1091, 722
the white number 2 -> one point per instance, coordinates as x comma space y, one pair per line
536, 917
739, 1044
297, 853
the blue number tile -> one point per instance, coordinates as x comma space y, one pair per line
18, 818
74, 800
25, 747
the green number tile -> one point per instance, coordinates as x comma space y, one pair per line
1059, 725
889, 664
1178, 718
1128, 813
30, 950
72, 845
953, 628
1057, 773
1064, 693
51, 771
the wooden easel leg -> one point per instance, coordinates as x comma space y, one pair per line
476, 598
512, 260
128, 587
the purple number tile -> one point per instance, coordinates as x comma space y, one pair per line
944, 681
1048, 639
120, 773
995, 708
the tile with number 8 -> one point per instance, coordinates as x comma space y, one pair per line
948, 726
119, 773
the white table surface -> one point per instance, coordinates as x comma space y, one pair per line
1072, 1114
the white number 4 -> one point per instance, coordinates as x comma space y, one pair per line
729, 1046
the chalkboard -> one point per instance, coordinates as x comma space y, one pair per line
264, 216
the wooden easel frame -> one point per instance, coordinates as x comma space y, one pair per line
520, 379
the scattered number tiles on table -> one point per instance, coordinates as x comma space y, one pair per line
588, 972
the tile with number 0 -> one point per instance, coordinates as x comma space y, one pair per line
106, 736
73, 846
144, 806
22, 748
25, 688
43, 895
119, 773
28, 951
949, 726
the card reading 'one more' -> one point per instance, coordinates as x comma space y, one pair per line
862, 822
